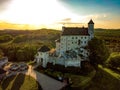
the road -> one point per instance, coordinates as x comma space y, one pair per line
47, 83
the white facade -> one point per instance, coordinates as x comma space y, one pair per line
42, 58
72, 43
58, 47
91, 30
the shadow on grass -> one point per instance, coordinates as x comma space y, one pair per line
18, 82
6, 82
103, 81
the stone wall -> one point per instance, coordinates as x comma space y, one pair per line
66, 62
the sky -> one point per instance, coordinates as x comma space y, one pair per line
34, 14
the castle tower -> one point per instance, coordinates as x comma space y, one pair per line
63, 28
91, 28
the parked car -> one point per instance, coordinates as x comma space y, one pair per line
14, 67
23, 66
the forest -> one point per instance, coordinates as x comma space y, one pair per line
22, 45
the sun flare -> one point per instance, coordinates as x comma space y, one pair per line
35, 12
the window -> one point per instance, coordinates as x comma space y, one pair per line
81, 51
87, 53
85, 37
78, 42
81, 41
85, 42
72, 37
81, 37
68, 48
76, 37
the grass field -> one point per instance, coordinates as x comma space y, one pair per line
79, 80
104, 80
112, 73
20, 82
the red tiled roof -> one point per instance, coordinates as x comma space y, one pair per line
75, 31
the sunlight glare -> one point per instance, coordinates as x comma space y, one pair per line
35, 12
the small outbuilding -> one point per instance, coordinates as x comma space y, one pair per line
43, 55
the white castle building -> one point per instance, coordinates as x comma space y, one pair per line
70, 47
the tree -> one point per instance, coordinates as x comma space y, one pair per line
1, 53
114, 62
20, 55
98, 52
5, 38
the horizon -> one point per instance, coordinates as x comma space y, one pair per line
35, 15
53, 29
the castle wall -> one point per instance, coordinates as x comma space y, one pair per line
57, 48
73, 42
76, 63
42, 58
66, 62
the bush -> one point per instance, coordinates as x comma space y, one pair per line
1, 53
5, 38
74, 70
114, 62
86, 67
20, 38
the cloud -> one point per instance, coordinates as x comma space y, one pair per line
4, 4
96, 17
85, 18
67, 20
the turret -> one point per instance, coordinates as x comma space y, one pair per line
91, 28
63, 28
